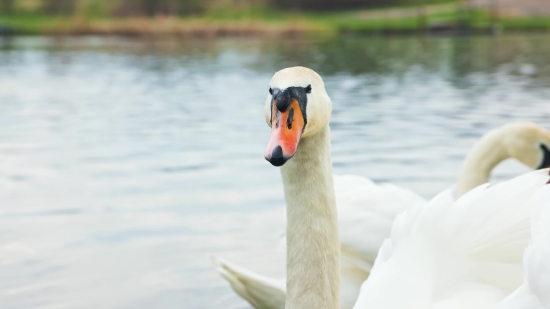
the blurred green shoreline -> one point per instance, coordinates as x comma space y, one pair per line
448, 17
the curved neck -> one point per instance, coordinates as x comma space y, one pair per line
313, 247
480, 161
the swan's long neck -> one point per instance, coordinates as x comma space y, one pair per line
480, 161
313, 247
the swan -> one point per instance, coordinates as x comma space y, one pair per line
365, 207
365, 210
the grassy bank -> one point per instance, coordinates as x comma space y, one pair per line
157, 26
266, 21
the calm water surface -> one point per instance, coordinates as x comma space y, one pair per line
126, 163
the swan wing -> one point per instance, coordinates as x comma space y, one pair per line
366, 212
456, 254
534, 292
261, 292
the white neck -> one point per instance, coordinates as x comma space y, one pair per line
313, 247
480, 161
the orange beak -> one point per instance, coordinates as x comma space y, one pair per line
286, 129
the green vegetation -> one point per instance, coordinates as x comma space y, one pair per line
34, 24
526, 23
247, 17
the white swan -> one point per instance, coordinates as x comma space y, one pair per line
366, 210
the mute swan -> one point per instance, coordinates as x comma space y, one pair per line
289, 87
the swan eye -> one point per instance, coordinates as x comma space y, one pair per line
270, 91
308, 89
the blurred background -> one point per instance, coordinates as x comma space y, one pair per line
132, 131
211, 18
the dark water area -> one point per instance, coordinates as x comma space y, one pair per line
125, 163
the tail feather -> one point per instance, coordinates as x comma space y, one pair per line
261, 292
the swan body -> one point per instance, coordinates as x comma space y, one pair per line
466, 253
365, 210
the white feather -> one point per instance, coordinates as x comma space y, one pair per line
456, 254
534, 293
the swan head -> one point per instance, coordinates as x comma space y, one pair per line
296, 107
528, 143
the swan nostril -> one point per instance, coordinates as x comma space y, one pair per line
277, 158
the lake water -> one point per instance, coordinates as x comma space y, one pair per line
125, 163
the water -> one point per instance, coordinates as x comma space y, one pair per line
126, 163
